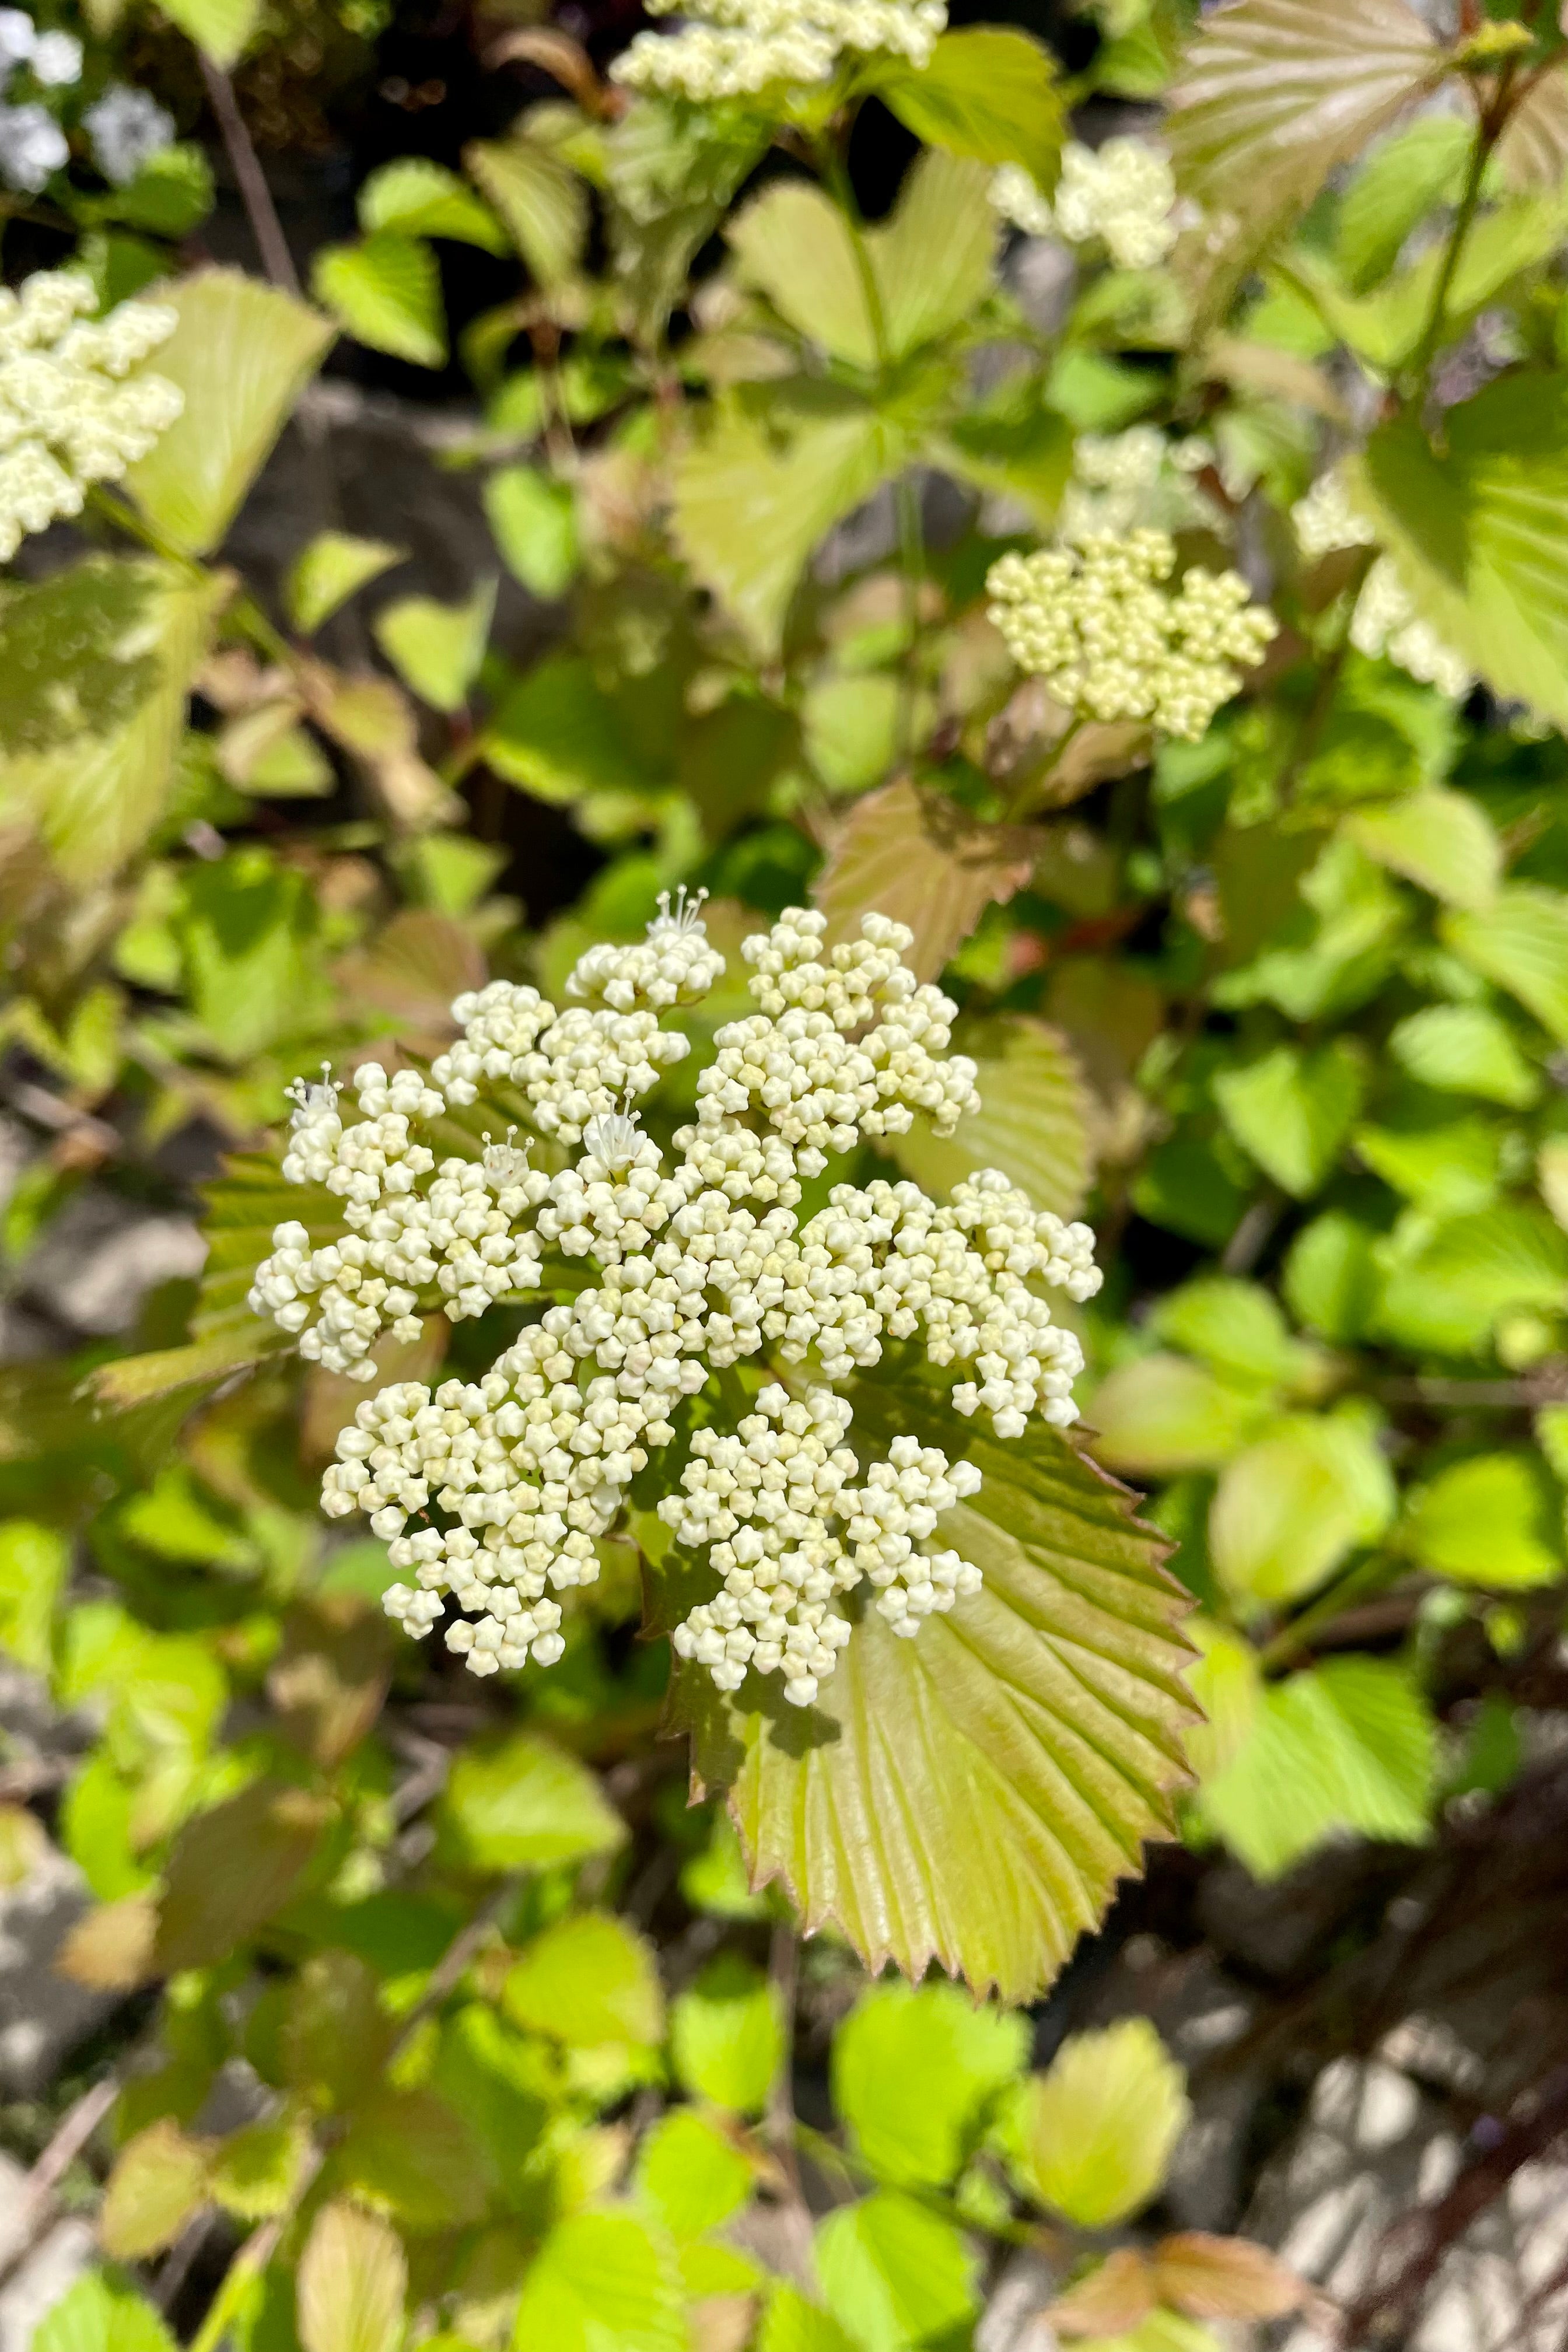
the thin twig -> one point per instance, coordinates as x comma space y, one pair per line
251, 180
72, 2134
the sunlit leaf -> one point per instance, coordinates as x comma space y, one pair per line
1394, 190
436, 649
158, 2181
602, 2283
913, 2068
987, 92
385, 292
1521, 942
351, 2282
523, 1805
1293, 1109
219, 27
535, 524
421, 198
100, 2314
1163, 1414
727, 2036
1033, 1120
690, 2176
1492, 1520
540, 198
1092, 2137
1443, 840
1290, 1508
588, 1978
328, 570
895, 2274
926, 861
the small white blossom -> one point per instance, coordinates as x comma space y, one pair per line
33, 147
66, 418
1385, 621
56, 60
736, 48
674, 965
1123, 193
127, 128
1112, 642
18, 35
700, 1268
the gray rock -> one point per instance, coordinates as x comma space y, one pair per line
43, 2015
101, 1255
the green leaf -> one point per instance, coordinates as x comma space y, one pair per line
1330, 1277
588, 1978
331, 570
1448, 1294
231, 1869
540, 198
1491, 1520
1345, 1745
749, 514
672, 172
534, 520
171, 196
1521, 943
74, 652
1227, 1684
1479, 533
94, 798
792, 2324
98, 2313
436, 649
353, 2280
1093, 2136
242, 353
255, 2172
524, 1805
936, 258
1385, 329
988, 1833
727, 2036
988, 93
1276, 93
1292, 1109
1033, 1120
1443, 840
690, 2176
1464, 1049
559, 735
1290, 1508
249, 931
913, 2070
1236, 1328
1445, 1165
419, 198
895, 2274
158, 2181
792, 242
1394, 190
411, 2153
34, 1562
1161, 1414
386, 292
220, 28
922, 858
601, 2282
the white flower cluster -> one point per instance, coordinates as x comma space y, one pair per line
1112, 643
1141, 476
674, 965
33, 147
1385, 621
67, 417
1124, 193
736, 48
700, 1268
127, 128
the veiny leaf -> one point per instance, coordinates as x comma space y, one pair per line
540, 198
219, 27
913, 2068
328, 570
749, 515
1161, 1413
1095, 2134
100, 2314
973, 1798
1521, 942
1394, 190
436, 649
935, 258
1348, 1745
242, 353
1449, 1295
1290, 1508
1224, 2278
793, 2324
1292, 1109
792, 242
587, 1979
601, 2282
690, 2176
352, 2279
385, 292
1443, 840
988, 93
421, 198
1033, 1122
524, 1805
1533, 150
727, 2036
1275, 93
411, 2153
158, 2181
926, 861
1486, 1521
895, 2274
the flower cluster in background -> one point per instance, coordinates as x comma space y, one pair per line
1124, 195
32, 146
68, 416
1386, 620
735, 48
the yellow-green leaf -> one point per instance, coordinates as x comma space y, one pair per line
352, 2279
436, 649
385, 292
1094, 2136
328, 570
586, 1979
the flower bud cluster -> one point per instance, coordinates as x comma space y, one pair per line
673, 964
66, 418
790, 1535
1385, 622
1121, 480
736, 48
1111, 642
496, 1493
1123, 193
571, 1066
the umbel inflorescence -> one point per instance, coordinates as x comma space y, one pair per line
736, 48
1123, 193
1096, 621
714, 1326
69, 416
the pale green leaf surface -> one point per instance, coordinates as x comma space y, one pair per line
1443, 840
913, 2070
1521, 943
588, 1978
331, 570
158, 2181
351, 2282
792, 243
1228, 1686
935, 257
727, 2036
602, 2282
1465, 1049
1032, 1124
385, 292
35, 1561
242, 353
435, 648
534, 520
1392, 191
988, 93
1293, 1109
689, 2175
100, 2315
525, 1805
1093, 2136
973, 1797
1161, 1414
540, 198
894, 2274
1290, 1508
1236, 1328
220, 28
791, 2323
1448, 1294
421, 198
1486, 1521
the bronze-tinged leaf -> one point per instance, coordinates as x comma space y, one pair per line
919, 856
1224, 2278
416, 964
158, 2181
354, 2276
1533, 150
231, 1869
329, 1681
1110, 2301
973, 1796
111, 1946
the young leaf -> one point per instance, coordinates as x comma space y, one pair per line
935, 258
1033, 1122
895, 2274
158, 2181
352, 2279
220, 28
1488, 1521
1094, 2136
925, 860
231, 1869
331, 570
1290, 1508
524, 1805
1227, 1684
1521, 942
1224, 2278
540, 198
242, 353
793, 243
385, 292
1161, 1413
535, 524
690, 2176
602, 2283
102, 2314
908, 1805
1443, 840
793, 2324
727, 2036
1292, 1110
419, 198
588, 1978
913, 2069
436, 649
1394, 190
34, 1562
1448, 1294
988, 93
558, 736
1464, 1049
254, 2171
1533, 150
